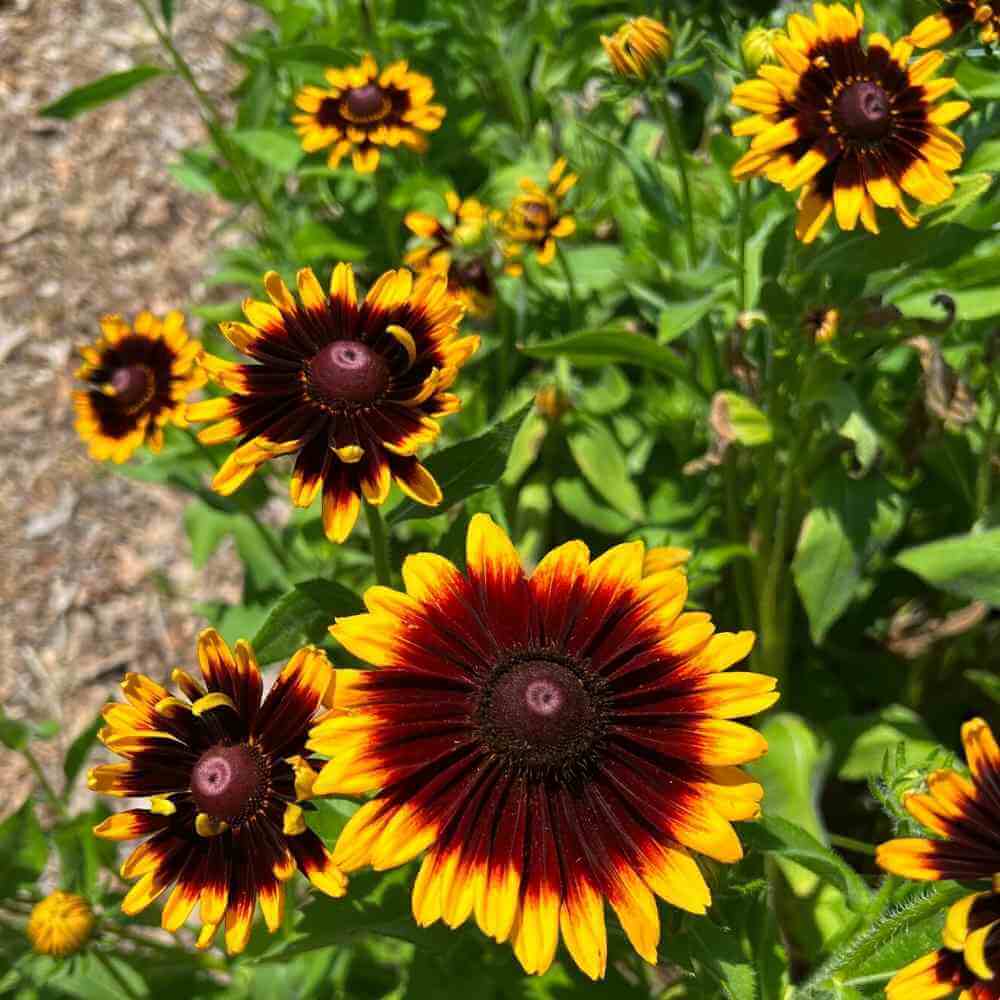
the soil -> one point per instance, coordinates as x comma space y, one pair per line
95, 576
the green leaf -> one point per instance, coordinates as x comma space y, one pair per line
314, 241
167, 10
302, 616
99, 92
966, 565
467, 467
76, 755
279, 150
987, 682
324, 55
850, 521
679, 317
777, 836
577, 501
749, 425
612, 345
862, 741
600, 458
24, 848
14, 734
719, 953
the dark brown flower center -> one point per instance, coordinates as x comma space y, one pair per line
348, 371
863, 111
474, 274
133, 386
540, 715
365, 104
228, 781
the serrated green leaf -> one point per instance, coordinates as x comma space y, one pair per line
303, 616
92, 95
467, 467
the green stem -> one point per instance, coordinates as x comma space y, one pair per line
43, 782
212, 118
574, 298
743, 195
677, 148
850, 844
380, 544
984, 475
505, 352
390, 229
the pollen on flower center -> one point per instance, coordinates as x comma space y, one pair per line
348, 371
226, 781
862, 111
364, 104
132, 386
538, 712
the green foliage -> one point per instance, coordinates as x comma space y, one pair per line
93, 95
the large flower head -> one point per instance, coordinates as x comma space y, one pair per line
638, 47
139, 378
551, 740
535, 219
61, 924
354, 388
853, 126
967, 965
454, 248
226, 773
955, 15
363, 109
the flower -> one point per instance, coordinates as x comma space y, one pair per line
968, 961
226, 773
550, 740
821, 325
965, 813
757, 46
140, 377
448, 248
362, 110
61, 924
638, 46
853, 127
953, 17
533, 218
354, 389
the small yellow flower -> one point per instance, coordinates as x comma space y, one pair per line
363, 110
638, 46
758, 47
60, 924
953, 17
552, 403
139, 378
453, 248
534, 219
822, 325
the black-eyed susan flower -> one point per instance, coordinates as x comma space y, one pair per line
227, 774
139, 378
363, 109
61, 924
853, 126
454, 248
550, 740
964, 813
535, 220
353, 388
954, 17
638, 47
968, 963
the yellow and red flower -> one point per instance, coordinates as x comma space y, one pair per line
638, 46
965, 814
550, 740
363, 110
855, 127
453, 248
227, 774
60, 924
953, 17
968, 963
535, 220
140, 377
354, 389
